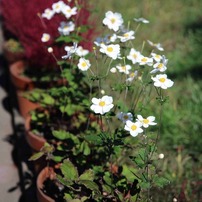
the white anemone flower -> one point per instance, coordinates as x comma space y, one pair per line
66, 28
57, 7
84, 64
127, 36
143, 20
162, 81
71, 50
156, 45
142, 60
146, 122
125, 116
124, 68
45, 37
68, 11
132, 76
134, 55
102, 105
112, 50
48, 14
81, 52
156, 57
113, 20
133, 127
105, 40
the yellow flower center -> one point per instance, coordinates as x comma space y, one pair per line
160, 66
135, 56
158, 56
66, 27
109, 49
102, 103
132, 75
113, 20
83, 64
125, 117
144, 59
123, 68
126, 35
133, 127
146, 121
162, 80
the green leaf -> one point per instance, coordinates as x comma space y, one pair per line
160, 181
87, 175
94, 139
57, 158
48, 100
63, 181
67, 197
107, 178
61, 134
69, 170
106, 188
144, 185
36, 156
90, 185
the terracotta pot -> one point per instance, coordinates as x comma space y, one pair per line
43, 175
20, 81
36, 142
24, 105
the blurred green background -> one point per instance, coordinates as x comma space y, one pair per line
177, 25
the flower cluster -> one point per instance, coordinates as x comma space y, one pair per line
130, 63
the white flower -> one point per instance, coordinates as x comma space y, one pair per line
156, 45
156, 57
45, 37
133, 127
48, 14
125, 116
146, 122
113, 70
142, 60
143, 20
66, 28
102, 105
70, 51
132, 76
162, 81
81, 52
133, 55
113, 20
111, 50
127, 36
124, 68
68, 11
84, 64
57, 7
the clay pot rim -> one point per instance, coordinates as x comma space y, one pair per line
30, 133
42, 176
17, 68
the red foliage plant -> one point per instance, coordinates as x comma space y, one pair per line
22, 19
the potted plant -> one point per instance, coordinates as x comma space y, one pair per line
42, 50
118, 160
13, 50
